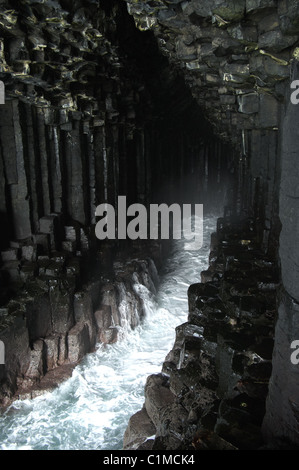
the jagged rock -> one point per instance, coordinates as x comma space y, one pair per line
259, 4
84, 311
35, 369
157, 397
69, 246
107, 333
249, 103
62, 315
70, 322
9, 255
29, 252
52, 345
78, 342
39, 316
42, 241
140, 429
12, 270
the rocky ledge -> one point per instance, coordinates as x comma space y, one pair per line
212, 390
57, 318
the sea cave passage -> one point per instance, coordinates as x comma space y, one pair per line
160, 102
64, 293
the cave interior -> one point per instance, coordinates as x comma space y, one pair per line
162, 102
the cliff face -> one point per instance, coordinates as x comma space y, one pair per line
190, 103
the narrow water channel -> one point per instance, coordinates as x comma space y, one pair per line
91, 410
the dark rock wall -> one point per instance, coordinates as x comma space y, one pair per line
282, 417
86, 114
49, 327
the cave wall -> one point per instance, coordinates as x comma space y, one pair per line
282, 417
88, 115
236, 58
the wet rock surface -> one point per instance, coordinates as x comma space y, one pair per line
50, 327
235, 55
212, 390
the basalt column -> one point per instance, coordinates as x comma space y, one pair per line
282, 418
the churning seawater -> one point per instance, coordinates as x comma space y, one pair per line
91, 409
